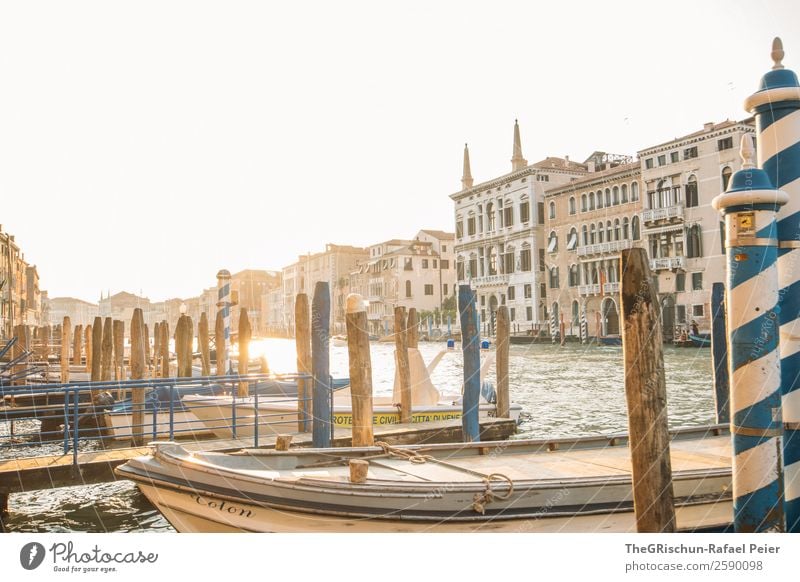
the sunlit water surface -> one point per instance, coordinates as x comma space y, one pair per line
564, 391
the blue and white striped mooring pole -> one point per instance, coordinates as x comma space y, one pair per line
224, 305
470, 346
750, 206
776, 106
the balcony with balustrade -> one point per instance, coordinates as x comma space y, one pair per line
489, 281
584, 290
614, 246
668, 263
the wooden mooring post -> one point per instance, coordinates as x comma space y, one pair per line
302, 338
66, 329
203, 344
118, 331
320, 365
156, 349
360, 371
164, 345
412, 328
501, 367
646, 395
184, 334
243, 366
137, 363
77, 347
97, 346
401, 362
719, 353
146, 343
470, 346
107, 351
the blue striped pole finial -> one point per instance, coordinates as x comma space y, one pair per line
750, 206
224, 305
776, 106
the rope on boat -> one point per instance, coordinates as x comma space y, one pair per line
400, 453
480, 500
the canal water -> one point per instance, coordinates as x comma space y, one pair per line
564, 391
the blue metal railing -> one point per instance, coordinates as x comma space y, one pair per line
80, 415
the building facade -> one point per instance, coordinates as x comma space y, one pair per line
499, 240
80, 312
588, 223
683, 232
20, 294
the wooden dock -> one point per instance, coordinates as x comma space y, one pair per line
47, 472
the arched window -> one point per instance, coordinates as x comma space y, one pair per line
635, 235
726, 178
694, 241
616, 229
625, 228
480, 217
408, 287
552, 209
592, 234
576, 314
634, 191
615, 195
572, 205
594, 275
490, 217
600, 233
599, 198
574, 278
554, 282
608, 231
691, 192
583, 203
624, 193
552, 242
585, 235
591, 200
608, 197
572, 239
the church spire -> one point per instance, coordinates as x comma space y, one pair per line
517, 161
466, 178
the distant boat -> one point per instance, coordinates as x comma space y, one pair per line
609, 340
700, 341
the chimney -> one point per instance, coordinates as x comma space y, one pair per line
590, 165
708, 126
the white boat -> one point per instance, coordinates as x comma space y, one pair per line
280, 415
581, 485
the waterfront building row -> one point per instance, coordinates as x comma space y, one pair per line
21, 299
545, 239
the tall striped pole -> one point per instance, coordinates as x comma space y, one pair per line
584, 325
750, 206
224, 305
553, 326
776, 106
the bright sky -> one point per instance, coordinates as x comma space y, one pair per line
145, 145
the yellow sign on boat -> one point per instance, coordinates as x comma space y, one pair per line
394, 417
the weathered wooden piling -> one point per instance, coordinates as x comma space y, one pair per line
77, 347
157, 350
470, 346
283, 442
164, 345
360, 370
219, 343
107, 352
146, 344
401, 362
183, 346
501, 366
203, 345
320, 365
23, 344
359, 468
97, 347
118, 330
88, 336
66, 329
243, 367
137, 363
719, 352
302, 338
412, 328
646, 395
